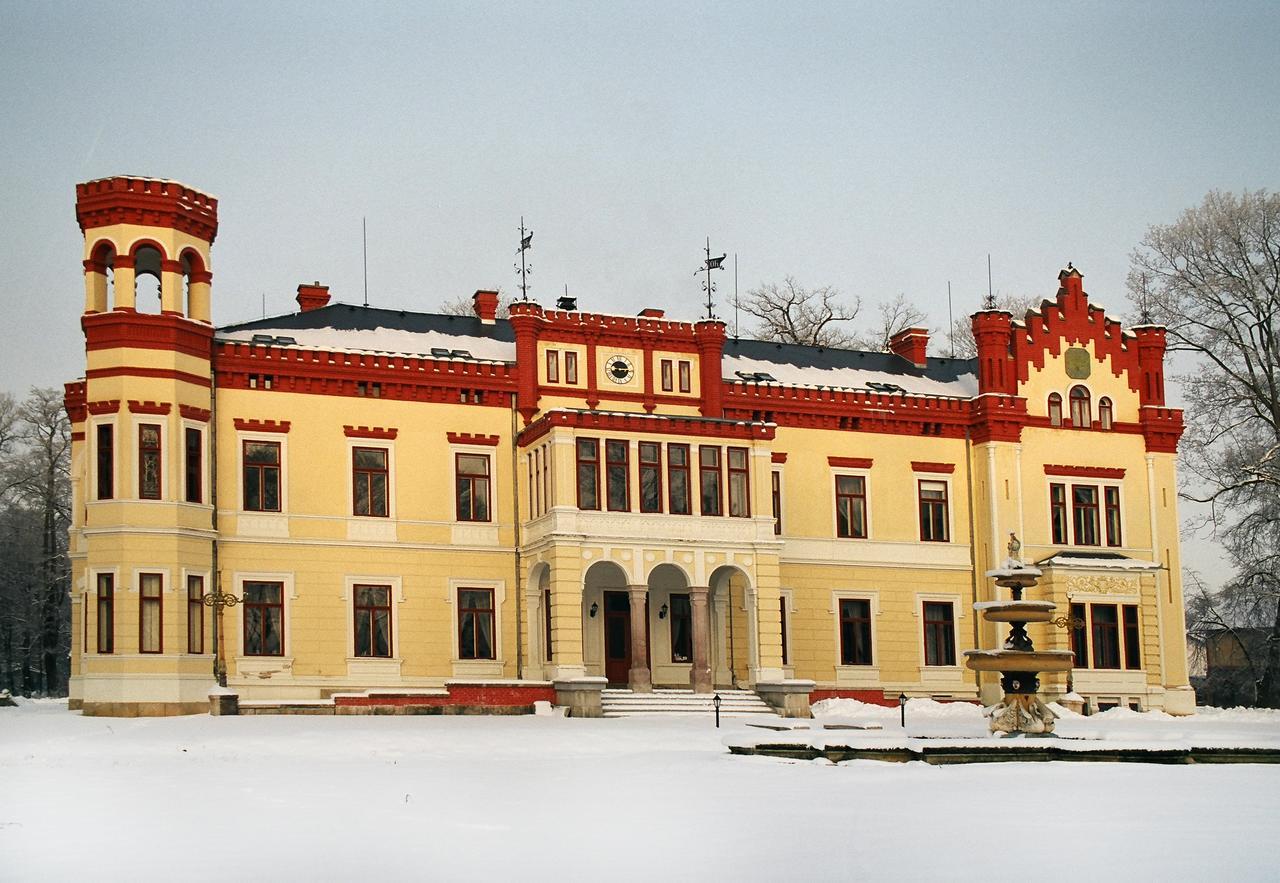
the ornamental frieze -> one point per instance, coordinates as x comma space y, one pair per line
1103, 585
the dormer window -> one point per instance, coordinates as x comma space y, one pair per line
1055, 409
1080, 416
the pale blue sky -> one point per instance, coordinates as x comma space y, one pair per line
880, 148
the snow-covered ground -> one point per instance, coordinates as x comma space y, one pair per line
545, 798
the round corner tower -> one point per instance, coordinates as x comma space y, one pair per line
141, 529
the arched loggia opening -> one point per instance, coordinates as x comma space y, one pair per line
731, 626
541, 645
195, 279
148, 263
99, 278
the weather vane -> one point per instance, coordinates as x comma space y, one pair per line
708, 265
523, 268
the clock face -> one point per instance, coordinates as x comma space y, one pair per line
619, 369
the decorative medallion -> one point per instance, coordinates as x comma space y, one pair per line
1079, 364
619, 369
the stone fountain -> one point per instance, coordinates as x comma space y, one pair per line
1019, 663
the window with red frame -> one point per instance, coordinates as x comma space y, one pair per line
149, 461
668, 376
369, 478
1107, 636
686, 377
372, 619
776, 496
588, 473
855, 631
939, 633
570, 367
1058, 512
150, 614
1111, 513
1084, 511
1055, 409
1105, 621
553, 366
546, 617
739, 486
194, 471
475, 624
934, 523
106, 462
261, 476
710, 480
851, 506
650, 477
616, 473
472, 486
195, 613
106, 613
678, 502
263, 619
782, 621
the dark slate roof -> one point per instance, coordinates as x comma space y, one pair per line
351, 317
939, 369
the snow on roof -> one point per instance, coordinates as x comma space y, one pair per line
1103, 560
384, 340
787, 374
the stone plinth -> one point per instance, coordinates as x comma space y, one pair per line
790, 698
581, 696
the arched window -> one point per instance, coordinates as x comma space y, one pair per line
192, 271
1104, 413
1055, 409
1080, 416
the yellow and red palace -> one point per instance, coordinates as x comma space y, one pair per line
455, 511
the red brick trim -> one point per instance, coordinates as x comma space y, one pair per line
261, 425
119, 329
191, 412
77, 436
163, 373
778, 457
148, 407
369, 432
73, 400
144, 201
1083, 471
850, 462
925, 466
612, 421
106, 406
472, 695
468, 438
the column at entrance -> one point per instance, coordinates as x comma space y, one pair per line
700, 676
639, 679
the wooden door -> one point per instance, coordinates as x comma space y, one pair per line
617, 637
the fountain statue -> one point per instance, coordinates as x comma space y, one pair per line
1019, 663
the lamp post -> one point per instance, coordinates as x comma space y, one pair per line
715, 700
902, 707
216, 601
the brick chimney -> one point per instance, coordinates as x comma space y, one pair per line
912, 344
486, 305
652, 313
313, 296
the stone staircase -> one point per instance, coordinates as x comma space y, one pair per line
733, 703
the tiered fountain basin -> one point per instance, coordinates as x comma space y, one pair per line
1016, 611
1012, 661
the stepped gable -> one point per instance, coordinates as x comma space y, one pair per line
1071, 320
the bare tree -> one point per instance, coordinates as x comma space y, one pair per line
791, 313
960, 340
1212, 278
894, 316
463, 305
35, 445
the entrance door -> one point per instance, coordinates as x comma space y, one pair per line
617, 636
